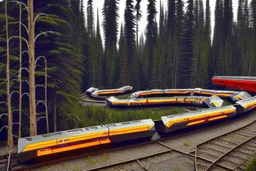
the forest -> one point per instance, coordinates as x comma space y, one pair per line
176, 51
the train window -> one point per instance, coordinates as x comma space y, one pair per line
75, 130
92, 127
112, 124
51, 134
28, 138
125, 123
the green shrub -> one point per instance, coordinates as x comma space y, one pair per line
251, 166
186, 143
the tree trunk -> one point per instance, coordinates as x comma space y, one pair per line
45, 98
10, 136
32, 100
20, 74
55, 112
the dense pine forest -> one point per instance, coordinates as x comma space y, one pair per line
176, 51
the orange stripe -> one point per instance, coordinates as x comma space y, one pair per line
44, 152
216, 118
200, 116
45, 144
195, 123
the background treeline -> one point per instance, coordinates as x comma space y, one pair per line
176, 51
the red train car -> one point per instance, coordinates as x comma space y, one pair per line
236, 82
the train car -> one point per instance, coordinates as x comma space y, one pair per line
246, 105
240, 96
57, 142
224, 93
184, 120
213, 101
136, 102
147, 93
179, 91
203, 91
91, 90
161, 92
246, 83
108, 92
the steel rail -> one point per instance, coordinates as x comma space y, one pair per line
9, 162
229, 151
191, 155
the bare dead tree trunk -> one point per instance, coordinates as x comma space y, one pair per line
20, 74
45, 97
32, 100
10, 136
55, 112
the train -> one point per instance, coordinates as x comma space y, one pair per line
191, 92
30, 148
212, 101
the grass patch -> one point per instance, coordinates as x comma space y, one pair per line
186, 143
77, 168
251, 166
91, 161
124, 96
106, 157
96, 115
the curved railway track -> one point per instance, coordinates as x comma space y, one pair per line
231, 150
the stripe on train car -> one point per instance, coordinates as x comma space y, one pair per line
200, 116
196, 122
68, 147
130, 130
71, 139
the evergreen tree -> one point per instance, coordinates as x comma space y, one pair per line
171, 16
188, 61
138, 16
110, 28
151, 32
123, 77
129, 30
90, 18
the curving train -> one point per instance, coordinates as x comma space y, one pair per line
212, 101
47, 144
96, 93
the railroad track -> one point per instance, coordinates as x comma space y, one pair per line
8, 161
231, 150
194, 159
149, 162
87, 98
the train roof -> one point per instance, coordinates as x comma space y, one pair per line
91, 89
201, 89
236, 77
166, 119
246, 101
129, 123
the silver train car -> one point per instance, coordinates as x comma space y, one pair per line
137, 102
107, 92
184, 120
47, 144
191, 92
246, 105
91, 90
